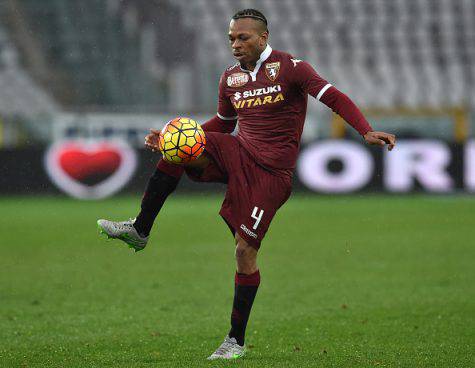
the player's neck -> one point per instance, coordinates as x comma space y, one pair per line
252, 64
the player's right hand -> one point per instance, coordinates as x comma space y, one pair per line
151, 140
381, 139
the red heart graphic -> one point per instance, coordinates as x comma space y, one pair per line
90, 170
80, 164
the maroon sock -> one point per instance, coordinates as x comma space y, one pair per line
245, 290
160, 185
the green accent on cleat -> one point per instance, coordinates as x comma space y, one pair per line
228, 350
101, 230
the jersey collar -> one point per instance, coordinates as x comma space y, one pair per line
264, 56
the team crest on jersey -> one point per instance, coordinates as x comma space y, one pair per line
238, 79
272, 70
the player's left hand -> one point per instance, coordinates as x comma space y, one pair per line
151, 140
381, 139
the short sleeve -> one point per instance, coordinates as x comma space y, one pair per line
308, 80
226, 109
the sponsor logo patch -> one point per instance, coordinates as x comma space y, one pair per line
272, 70
258, 97
258, 92
237, 79
258, 101
248, 232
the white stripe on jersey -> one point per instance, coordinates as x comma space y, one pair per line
322, 91
226, 118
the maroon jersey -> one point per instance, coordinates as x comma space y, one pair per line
270, 104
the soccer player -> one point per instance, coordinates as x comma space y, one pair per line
266, 91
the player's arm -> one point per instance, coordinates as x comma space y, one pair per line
312, 83
224, 121
346, 108
215, 124
218, 124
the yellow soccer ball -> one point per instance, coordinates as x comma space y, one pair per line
181, 140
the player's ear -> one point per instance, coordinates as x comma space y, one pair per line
263, 39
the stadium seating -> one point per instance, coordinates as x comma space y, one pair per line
411, 53
19, 94
384, 53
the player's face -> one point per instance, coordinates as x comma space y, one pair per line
247, 39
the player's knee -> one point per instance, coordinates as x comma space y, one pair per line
242, 247
199, 164
241, 251
246, 256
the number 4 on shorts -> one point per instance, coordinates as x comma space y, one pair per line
256, 217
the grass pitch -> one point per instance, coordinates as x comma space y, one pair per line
346, 282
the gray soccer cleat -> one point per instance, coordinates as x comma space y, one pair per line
124, 231
229, 349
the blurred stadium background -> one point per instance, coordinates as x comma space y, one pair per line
108, 70
114, 68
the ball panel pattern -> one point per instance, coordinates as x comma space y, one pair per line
181, 140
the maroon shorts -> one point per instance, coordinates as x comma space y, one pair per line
253, 193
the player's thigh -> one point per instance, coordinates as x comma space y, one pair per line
252, 200
206, 171
221, 157
266, 196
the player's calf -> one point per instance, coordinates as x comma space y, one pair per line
161, 184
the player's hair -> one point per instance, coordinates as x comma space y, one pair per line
251, 13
